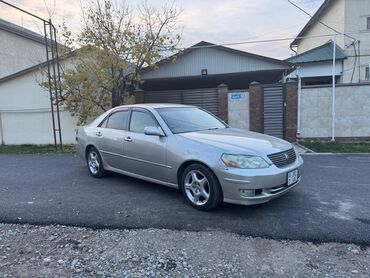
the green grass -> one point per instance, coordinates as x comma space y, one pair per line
338, 147
35, 149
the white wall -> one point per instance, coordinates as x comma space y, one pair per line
18, 53
25, 113
238, 109
334, 17
352, 111
348, 16
356, 14
317, 69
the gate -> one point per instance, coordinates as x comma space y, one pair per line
274, 110
204, 98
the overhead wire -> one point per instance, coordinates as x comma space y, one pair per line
354, 40
261, 41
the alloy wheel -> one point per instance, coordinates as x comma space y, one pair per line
93, 162
197, 187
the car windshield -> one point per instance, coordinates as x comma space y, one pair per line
189, 119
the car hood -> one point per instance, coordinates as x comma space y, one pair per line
240, 141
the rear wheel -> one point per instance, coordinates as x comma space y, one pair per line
201, 188
95, 163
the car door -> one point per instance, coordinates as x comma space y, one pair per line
145, 154
110, 137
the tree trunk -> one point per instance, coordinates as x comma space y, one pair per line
116, 98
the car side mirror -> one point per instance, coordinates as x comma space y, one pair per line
154, 131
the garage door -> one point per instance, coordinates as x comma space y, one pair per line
205, 98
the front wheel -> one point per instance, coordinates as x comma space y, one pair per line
95, 163
201, 188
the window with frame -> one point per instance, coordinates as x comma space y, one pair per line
367, 72
117, 120
368, 23
141, 120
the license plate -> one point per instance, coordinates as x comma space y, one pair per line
292, 177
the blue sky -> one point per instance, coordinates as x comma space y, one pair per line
216, 21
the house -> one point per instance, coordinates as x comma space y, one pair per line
315, 66
204, 75
206, 65
348, 17
198, 74
25, 112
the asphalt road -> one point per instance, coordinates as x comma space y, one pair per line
332, 203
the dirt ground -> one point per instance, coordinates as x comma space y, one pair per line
59, 251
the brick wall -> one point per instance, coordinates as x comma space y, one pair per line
291, 111
222, 92
255, 102
256, 109
139, 96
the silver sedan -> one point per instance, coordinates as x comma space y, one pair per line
188, 148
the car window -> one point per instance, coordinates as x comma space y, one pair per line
117, 120
189, 119
140, 120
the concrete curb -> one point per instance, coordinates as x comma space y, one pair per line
302, 149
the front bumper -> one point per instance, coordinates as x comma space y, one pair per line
256, 186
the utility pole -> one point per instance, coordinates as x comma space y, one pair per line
333, 91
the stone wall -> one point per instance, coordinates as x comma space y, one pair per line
352, 119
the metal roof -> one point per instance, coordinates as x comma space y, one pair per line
23, 32
235, 51
34, 67
318, 54
312, 21
207, 45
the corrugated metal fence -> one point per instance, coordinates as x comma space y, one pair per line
273, 110
205, 98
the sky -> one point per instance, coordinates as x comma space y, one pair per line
215, 21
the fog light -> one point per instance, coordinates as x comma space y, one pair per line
247, 192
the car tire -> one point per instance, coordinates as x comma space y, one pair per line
201, 188
95, 163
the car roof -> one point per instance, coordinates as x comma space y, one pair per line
157, 105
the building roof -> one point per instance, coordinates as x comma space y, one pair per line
20, 31
34, 67
312, 21
204, 44
235, 51
318, 54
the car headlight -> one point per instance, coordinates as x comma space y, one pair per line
244, 161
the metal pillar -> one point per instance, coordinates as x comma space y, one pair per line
333, 92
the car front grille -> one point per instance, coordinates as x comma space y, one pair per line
282, 159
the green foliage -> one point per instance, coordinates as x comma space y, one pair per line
115, 44
338, 147
34, 149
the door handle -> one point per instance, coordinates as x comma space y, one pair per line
128, 139
99, 134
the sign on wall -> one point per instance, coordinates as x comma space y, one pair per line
236, 96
